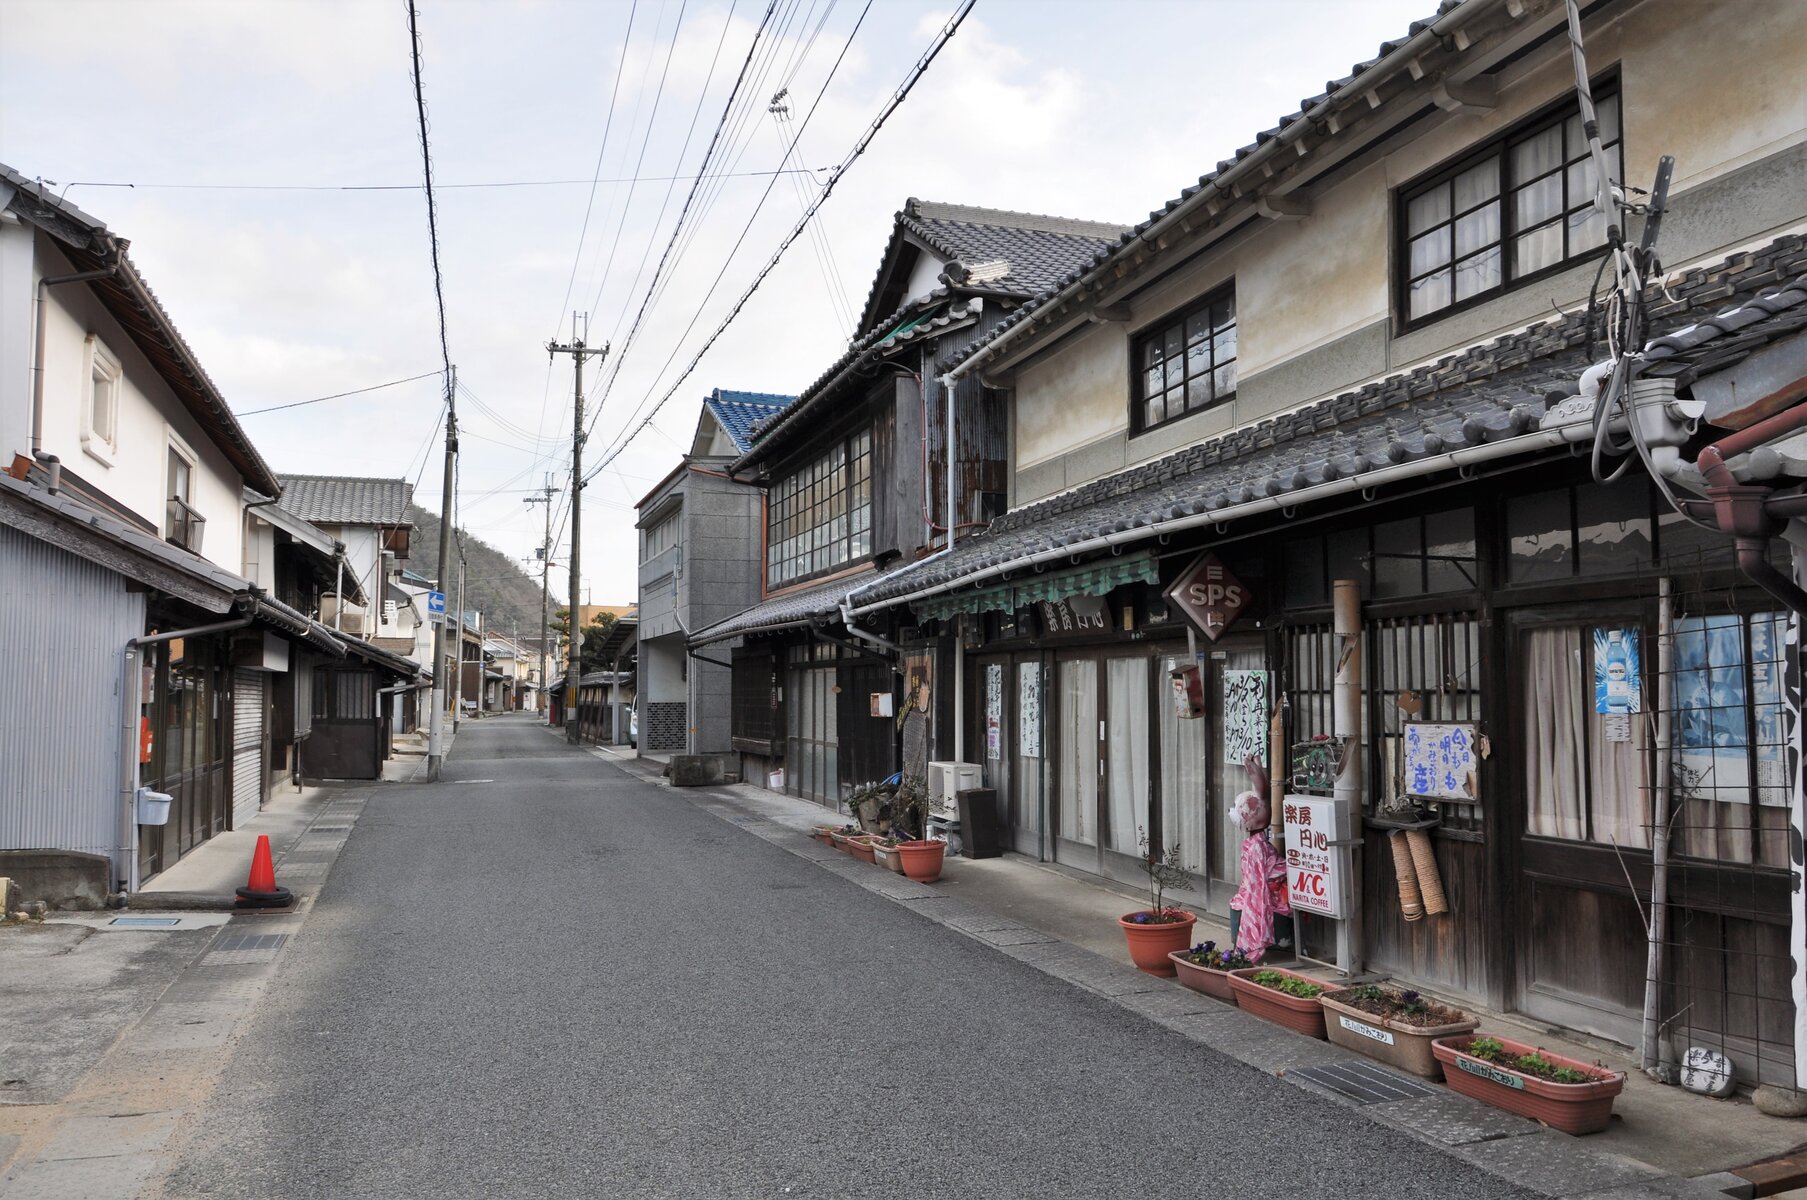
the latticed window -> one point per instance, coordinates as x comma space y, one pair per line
1188, 363
1518, 207
819, 517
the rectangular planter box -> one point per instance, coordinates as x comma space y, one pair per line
888, 858
1573, 1108
1297, 1014
1215, 984
1395, 1043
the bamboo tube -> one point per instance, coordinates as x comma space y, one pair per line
1430, 881
1411, 907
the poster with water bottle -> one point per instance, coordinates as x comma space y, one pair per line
1618, 687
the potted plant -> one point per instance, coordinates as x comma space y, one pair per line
1155, 932
922, 858
860, 846
1396, 1027
823, 834
842, 836
884, 849
1205, 968
1283, 997
1564, 1093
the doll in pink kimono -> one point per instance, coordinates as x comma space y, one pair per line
1262, 894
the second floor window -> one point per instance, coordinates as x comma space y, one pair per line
819, 517
1521, 206
1187, 363
100, 424
660, 538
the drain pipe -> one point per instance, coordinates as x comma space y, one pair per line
125, 857
1347, 725
114, 250
1659, 837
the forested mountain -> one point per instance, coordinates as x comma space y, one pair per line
494, 584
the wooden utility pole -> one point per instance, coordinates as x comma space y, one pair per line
574, 656
436, 727
545, 582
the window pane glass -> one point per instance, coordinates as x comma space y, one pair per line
1537, 529
1223, 312
1479, 228
1430, 293
1537, 202
1450, 564
1430, 251
1686, 546
1198, 391
1306, 583
1587, 229
1223, 344
1537, 154
1398, 561
1606, 114
1154, 382
1478, 183
1535, 251
1198, 328
1346, 554
1223, 381
1478, 274
1154, 409
1614, 533
1428, 209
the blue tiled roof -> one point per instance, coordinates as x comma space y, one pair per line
740, 412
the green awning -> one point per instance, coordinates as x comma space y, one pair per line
1093, 579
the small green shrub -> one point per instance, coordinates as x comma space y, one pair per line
1304, 989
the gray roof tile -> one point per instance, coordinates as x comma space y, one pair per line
347, 500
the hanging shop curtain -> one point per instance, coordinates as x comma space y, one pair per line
1093, 579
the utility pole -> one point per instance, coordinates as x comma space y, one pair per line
436, 728
458, 688
545, 581
578, 352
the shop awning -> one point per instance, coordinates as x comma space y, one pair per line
1092, 579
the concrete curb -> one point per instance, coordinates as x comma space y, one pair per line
1517, 1151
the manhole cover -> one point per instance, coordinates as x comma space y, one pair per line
145, 922
1363, 1082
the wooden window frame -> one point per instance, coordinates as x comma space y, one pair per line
819, 515
1158, 330
1498, 149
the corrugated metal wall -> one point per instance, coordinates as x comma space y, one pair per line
64, 623
247, 744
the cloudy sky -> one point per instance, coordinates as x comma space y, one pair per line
277, 210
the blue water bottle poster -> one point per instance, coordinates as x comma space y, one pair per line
1617, 674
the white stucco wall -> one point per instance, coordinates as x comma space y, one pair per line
1716, 94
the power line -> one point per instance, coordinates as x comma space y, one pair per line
426, 160
413, 187
375, 387
859, 148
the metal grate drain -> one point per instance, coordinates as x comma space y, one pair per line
1363, 1082
251, 941
146, 922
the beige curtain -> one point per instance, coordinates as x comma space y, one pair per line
1568, 755
1185, 785
1077, 738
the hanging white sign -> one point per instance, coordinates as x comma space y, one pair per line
1316, 868
1245, 716
1029, 709
1441, 762
994, 710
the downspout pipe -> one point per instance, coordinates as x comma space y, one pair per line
125, 862
112, 249
1740, 509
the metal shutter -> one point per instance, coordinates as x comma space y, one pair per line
247, 745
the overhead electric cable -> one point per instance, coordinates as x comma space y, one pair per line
878, 123
401, 187
426, 161
375, 387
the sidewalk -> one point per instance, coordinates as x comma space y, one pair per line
1663, 1140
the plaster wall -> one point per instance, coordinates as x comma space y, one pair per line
17, 257
260, 552
1314, 296
150, 420
925, 277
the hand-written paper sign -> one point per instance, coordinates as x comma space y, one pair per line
1442, 761
1245, 716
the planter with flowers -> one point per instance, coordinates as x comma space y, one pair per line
860, 846
842, 838
884, 849
1564, 1093
1205, 968
1281, 996
1396, 1027
1155, 932
823, 834
922, 859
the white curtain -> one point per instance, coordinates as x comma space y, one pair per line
1569, 755
1077, 735
1185, 780
1127, 724
1226, 779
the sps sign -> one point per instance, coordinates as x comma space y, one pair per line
1209, 596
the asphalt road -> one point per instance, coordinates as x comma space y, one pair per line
545, 977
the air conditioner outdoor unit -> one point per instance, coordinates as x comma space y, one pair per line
948, 779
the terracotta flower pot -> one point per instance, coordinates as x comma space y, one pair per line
1395, 1043
1574, 1108
1295, 1012
860, 846
1208, 980
841, 841
824, 834
922, 860
1151, 943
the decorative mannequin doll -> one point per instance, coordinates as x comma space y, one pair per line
1262, 893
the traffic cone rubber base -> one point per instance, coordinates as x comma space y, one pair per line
279, 898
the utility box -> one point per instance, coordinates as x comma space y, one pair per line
979, 832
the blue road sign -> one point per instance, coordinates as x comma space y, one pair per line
436, 603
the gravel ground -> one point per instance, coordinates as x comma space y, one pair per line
555, 979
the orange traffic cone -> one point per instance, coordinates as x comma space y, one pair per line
260, 890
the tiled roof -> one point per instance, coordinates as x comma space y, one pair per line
1729, 336
347, 500
782, 612
1490, 393
1309, 110
740, 412
1011, 253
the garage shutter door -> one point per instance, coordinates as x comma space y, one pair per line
247, 745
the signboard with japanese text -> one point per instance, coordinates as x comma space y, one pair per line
1245, 716
994, 711
1076, 616
1029, 710
1441, 761
1316, 868
1209, 596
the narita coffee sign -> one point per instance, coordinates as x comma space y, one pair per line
1209, 596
